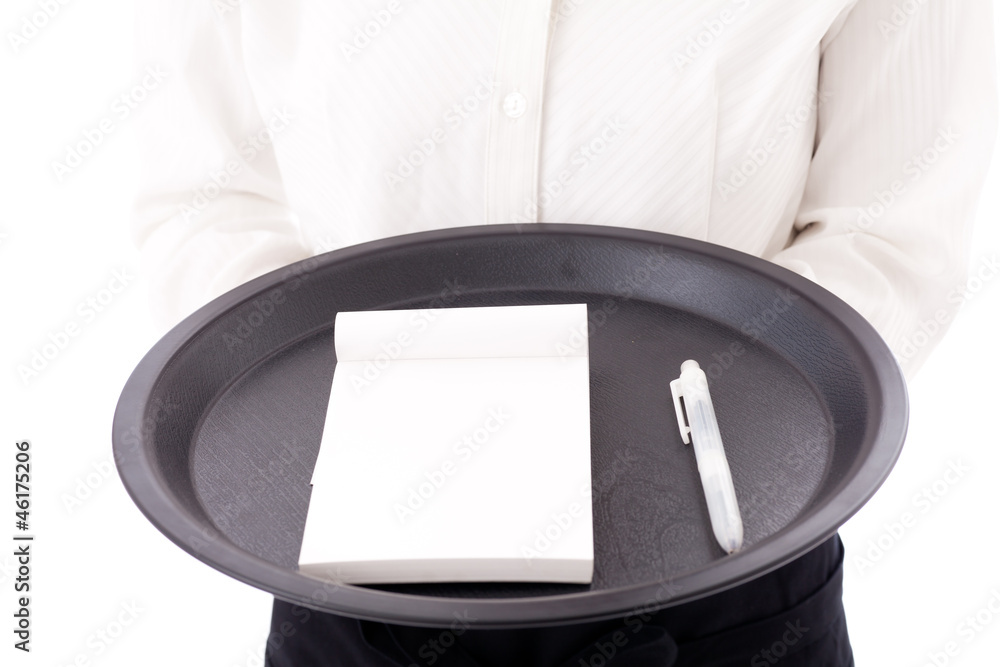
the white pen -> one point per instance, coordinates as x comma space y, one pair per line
701, 426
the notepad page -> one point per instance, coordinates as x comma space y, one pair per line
458, 469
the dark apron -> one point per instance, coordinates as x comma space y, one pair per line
792, 617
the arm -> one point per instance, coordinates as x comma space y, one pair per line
211, 211
902, 147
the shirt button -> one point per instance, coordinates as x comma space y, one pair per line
514, 105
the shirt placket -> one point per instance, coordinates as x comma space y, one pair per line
515, 117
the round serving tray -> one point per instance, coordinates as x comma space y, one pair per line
217, 430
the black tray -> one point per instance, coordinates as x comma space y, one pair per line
218, 428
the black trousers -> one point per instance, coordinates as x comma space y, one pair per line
792, 617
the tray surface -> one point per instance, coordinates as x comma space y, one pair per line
218, 428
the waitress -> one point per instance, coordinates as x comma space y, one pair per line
846, 140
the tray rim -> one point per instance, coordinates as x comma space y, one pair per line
157, 502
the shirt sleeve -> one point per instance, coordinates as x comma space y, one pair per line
210, 212
903, 141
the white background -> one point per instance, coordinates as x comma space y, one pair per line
60, 244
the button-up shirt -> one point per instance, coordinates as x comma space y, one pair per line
846, 140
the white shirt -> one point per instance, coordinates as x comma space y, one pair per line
846, 140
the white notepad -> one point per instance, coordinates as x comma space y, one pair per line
456, 448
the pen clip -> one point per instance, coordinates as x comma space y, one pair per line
676, 392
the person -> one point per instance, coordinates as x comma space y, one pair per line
846, 140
